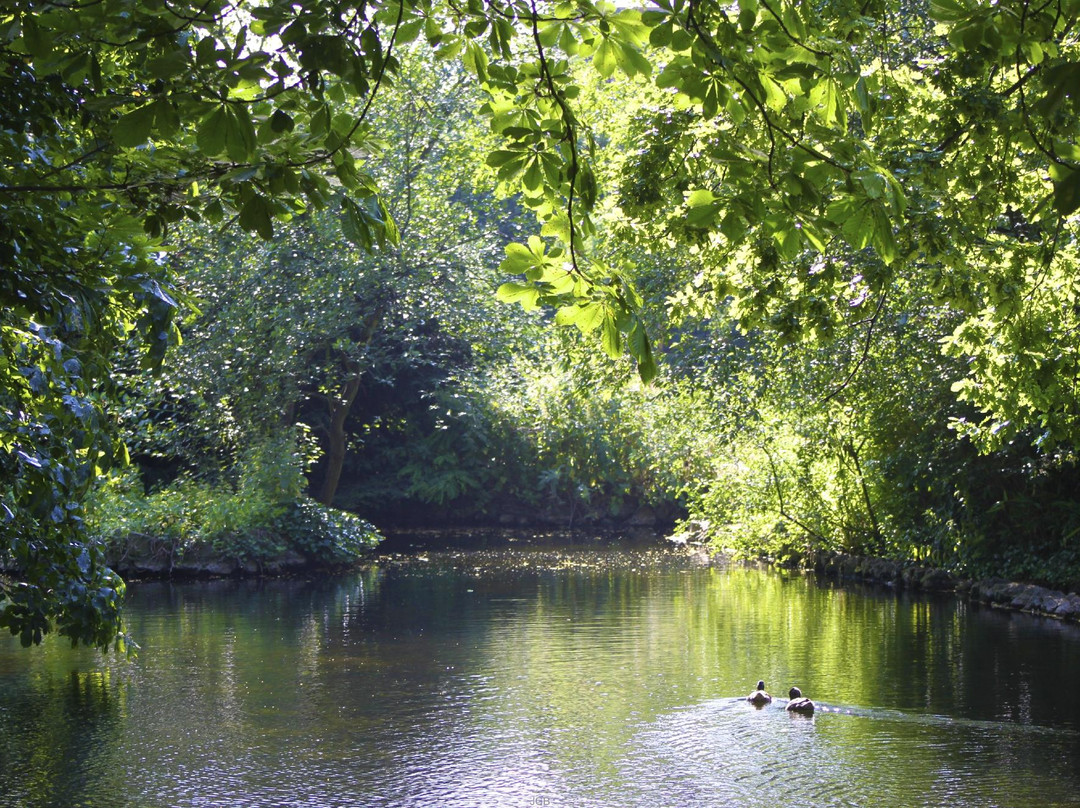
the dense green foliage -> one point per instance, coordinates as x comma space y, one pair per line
255, 514
880, 198
545, 436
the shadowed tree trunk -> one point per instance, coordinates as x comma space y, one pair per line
338, 407
336, 437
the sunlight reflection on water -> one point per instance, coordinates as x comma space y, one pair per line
582, 676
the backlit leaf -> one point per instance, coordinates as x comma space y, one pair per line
134, 128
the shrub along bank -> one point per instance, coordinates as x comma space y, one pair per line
191, 527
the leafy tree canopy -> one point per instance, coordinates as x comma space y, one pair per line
935, 145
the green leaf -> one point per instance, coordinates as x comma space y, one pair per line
858, 228
605, 60
37, 42
567, 315
775, 97
948, 10
389, 226
864, 103
641, 350
166, 118
873, 183
512, 292
169, 64
476, 60
501, 157
534, 175
560, 281
281, 121
883, 239
704, 216
214, 212
825, 99
840, 210
133, 129
699, 197
1066, 190
610, 337
519, 259
586, 181
356, 224
256, 215
812, 235
788, 242
660, 36
210, 137
240, 137
631, 61
590, 317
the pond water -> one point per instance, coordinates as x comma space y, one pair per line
593, 674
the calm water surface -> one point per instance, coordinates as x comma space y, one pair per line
584, 675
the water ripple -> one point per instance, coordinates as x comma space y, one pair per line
551, 676
727, 752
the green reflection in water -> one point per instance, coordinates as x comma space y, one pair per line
571, 676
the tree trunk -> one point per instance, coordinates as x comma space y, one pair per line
336, 436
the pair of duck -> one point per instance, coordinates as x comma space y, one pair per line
797, 703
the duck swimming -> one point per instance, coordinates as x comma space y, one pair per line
799, 703
759, 697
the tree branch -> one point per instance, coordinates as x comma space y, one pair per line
865, 352
570, 136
